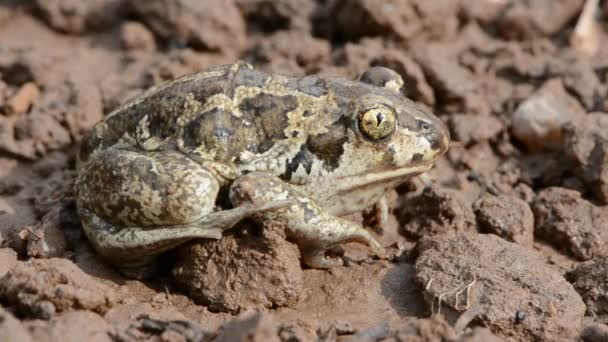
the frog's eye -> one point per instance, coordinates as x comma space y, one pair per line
377, 123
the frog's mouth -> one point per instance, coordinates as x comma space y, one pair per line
348, 183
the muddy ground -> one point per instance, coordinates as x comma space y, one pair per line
506, 239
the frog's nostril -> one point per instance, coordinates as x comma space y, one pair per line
439, 139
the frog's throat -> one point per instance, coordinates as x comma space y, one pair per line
374, 177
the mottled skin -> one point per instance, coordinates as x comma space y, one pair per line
190, 158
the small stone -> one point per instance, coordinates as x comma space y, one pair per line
538, 121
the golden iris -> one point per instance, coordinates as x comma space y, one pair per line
377, 123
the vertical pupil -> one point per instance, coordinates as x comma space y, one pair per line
379, 118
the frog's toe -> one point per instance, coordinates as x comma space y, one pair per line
378, 250
317, 259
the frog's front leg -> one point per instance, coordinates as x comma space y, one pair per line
312, 228
136, 205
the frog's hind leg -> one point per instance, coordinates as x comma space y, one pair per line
135, 205
134, 249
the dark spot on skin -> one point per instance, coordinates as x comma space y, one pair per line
265, 146
417, 157
435, 143
269, 114
295, 134
220, 130
307, 113
304, 158
329, 146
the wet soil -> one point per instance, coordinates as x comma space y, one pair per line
505, 239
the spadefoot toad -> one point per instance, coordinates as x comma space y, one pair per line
190, 158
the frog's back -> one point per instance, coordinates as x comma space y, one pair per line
158, 112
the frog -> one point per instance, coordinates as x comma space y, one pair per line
190, 158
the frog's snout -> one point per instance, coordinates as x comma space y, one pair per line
439, 138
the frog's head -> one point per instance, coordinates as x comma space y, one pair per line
405, 133
381, 137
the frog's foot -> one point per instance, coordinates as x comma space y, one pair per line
318, 259
307, 224
377, 215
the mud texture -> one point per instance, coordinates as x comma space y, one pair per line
507, 232
515, 294
506, 216
248, 270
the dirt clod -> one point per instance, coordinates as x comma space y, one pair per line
436, 211
595, 332
40, 288
460, 271
146, 328
8, 259
23, 99
587, 147
258, 327
571, 223
526, 20
506, 216
214, 25
590, 280
247, 270
72, 326
76, 17
134, 36
486, 128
